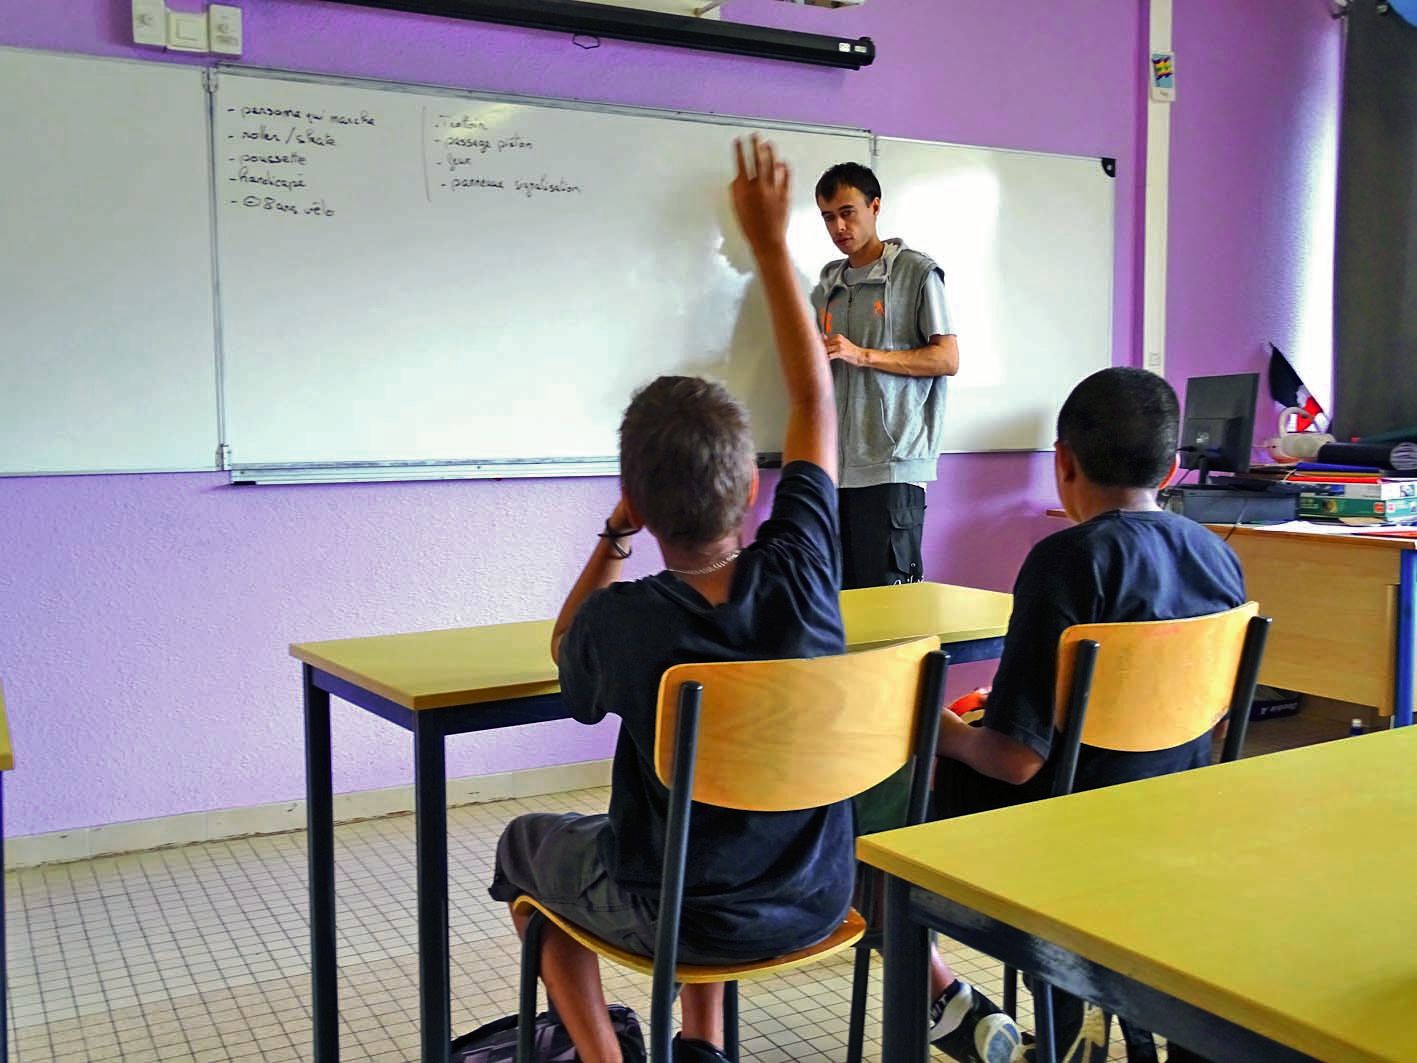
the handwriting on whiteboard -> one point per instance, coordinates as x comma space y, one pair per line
280, 160
467, 154
307, 164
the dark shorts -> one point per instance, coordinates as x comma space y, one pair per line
881, 530
556, 858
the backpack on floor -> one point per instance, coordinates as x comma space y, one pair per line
496, 1042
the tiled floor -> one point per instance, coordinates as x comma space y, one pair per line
199, 953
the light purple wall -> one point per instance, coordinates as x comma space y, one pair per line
1253, 173
146, 617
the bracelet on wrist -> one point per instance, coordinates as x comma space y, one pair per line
613, 537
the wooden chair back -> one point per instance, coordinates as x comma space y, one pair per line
776, 736
1156, 684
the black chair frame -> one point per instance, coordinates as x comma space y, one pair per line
671, 900
1141, 1047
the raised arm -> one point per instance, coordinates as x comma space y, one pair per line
762, 202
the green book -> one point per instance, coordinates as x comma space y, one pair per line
1386, 490
1374, 509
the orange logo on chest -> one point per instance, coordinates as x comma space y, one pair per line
880, 308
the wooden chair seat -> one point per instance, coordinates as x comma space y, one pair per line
842, 938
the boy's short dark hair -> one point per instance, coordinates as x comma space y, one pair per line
687, 459
853, 175
1122, 424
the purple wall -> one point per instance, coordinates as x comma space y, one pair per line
146, 617
1253, 173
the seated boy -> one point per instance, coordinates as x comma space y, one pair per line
1125, 559
757, 885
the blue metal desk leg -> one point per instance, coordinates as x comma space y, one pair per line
320, 827
431, 828
1406, 640
907, 979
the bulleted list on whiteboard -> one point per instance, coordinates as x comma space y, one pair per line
279, 159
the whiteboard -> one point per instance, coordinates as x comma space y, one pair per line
414, 276
107, 350
159, 301
1026, 243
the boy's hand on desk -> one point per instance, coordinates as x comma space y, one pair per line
761, 194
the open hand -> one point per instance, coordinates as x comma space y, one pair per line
761, 194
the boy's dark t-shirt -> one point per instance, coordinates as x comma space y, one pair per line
1117, 567
757, 883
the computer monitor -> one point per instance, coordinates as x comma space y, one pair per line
1218, 426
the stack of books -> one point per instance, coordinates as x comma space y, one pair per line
1353, 497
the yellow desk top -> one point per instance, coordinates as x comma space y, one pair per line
1308, 530
874, 616
1316, 531
466, 666
7, 755
1275, 892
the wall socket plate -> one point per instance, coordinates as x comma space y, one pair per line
187, 31
217, 30
150, 22
224, 25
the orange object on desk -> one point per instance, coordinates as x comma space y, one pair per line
970, 707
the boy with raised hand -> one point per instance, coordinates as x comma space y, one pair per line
757, 884
1125, 559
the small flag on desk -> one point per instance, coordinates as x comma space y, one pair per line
1287, 389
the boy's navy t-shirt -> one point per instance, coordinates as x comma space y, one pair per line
1117, 567
757, 883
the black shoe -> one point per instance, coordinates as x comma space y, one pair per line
983, 1032
691, 1050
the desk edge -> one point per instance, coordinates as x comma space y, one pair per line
1237, 1008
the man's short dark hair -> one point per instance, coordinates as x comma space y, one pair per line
1122, 424
687, 459
853, 175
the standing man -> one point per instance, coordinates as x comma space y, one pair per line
882, 311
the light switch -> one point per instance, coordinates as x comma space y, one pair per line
225, 22
187, 31
150, 22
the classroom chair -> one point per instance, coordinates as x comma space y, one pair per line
1188, 675
970, 708
764, 736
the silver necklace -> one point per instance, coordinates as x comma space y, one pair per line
726, 559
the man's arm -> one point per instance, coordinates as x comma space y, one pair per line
603, 568
987, 752
762, 201
940, 357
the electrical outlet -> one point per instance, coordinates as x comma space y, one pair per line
225, 23
150, 22
187, 31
